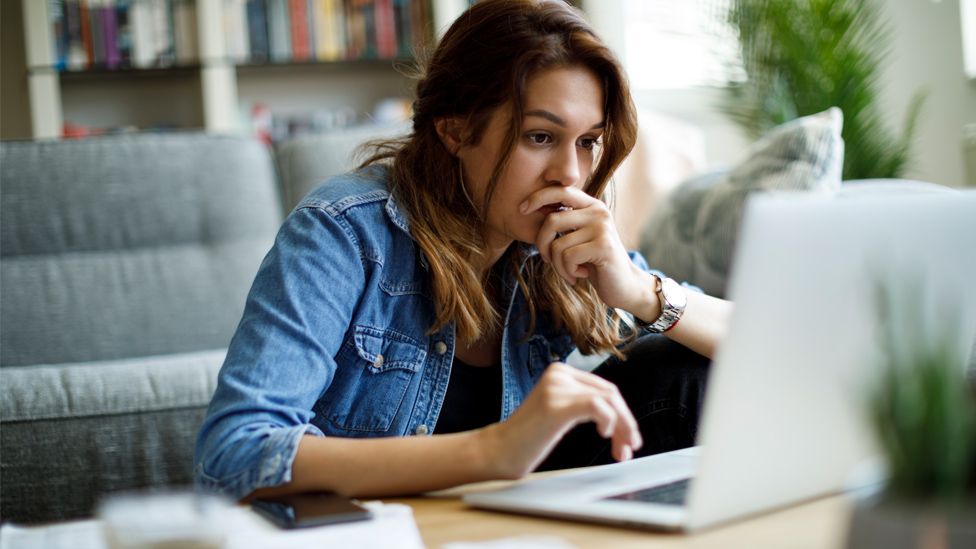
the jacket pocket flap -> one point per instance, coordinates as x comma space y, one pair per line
387, 349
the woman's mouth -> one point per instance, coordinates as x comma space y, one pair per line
553, 208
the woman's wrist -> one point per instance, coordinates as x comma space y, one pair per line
647, 304
489, 460
498, 461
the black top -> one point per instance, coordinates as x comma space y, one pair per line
473, 399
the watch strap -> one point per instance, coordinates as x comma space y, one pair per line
670, 313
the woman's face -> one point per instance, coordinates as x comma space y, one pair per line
561, 129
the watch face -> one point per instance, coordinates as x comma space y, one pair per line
674, 293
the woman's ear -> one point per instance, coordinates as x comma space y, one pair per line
450, 131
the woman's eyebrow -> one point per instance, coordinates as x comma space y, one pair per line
557, 120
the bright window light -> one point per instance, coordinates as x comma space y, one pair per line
675, 44
967, 10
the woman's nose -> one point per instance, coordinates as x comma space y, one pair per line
564, 167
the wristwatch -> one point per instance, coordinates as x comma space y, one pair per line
673, 302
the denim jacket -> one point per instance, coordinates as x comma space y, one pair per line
333, 340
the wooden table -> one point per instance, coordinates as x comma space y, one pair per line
444, 518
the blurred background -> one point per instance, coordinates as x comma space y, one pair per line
281, 68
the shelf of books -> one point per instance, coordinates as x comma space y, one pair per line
116, 65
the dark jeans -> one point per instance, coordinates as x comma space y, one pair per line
664, 385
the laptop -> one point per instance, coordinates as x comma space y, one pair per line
784, 418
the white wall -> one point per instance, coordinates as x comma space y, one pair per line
926, 52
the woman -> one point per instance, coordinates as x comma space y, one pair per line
436, 290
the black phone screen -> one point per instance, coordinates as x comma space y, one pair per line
310, 509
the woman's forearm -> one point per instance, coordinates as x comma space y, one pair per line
704, 323
383, 467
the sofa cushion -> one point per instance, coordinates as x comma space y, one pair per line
72, 432
133, 245
110, 387
691, 234
308, 160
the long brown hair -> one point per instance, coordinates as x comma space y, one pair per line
483, 63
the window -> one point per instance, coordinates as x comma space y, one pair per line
676, 44
967, 15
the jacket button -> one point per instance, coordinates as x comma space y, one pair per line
379, 361
440, 347
421, 429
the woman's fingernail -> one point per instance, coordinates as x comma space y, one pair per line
626, 454
524, 206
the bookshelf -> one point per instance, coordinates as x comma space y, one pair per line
216, 86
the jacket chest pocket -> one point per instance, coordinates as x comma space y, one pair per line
374, 370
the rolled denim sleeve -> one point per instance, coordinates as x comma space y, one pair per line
280, 360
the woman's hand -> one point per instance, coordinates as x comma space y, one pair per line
581, 241
563, 398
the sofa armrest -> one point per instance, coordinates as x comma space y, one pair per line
72, 432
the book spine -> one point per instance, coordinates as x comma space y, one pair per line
423, 31
386, 37
77, 59
140, 22
279, 30
368, 9
97, 23
124, 32
235, 30
337, 25
185, 32
86, 36
57, 19
401, 14
310, 26
328, 32
299, 30
163, 54
112, 56
320, 22
257, 28
355, 30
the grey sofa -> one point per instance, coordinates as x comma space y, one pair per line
125, 264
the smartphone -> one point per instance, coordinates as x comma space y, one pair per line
310, 509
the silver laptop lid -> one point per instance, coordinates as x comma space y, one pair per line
784, 415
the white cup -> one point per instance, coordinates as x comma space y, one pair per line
164, 520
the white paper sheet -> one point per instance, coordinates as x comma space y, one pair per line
392, 526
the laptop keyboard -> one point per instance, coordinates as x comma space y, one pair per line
673, 493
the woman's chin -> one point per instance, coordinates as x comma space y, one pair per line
528, 237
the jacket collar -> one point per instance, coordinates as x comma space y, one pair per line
396, 215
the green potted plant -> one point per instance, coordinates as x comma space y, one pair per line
804, 56
923, 411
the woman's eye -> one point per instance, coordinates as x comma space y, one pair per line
540, 138
589, 143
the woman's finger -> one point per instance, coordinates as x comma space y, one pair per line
608, 421
590, 407
627, 426
556, 225
564, 268
557, 194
